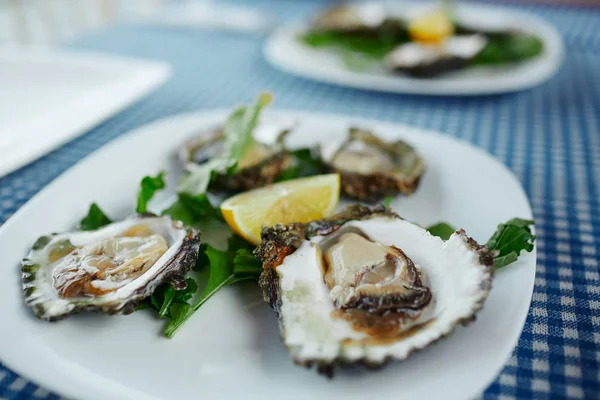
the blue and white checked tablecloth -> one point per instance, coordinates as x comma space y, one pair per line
549, 136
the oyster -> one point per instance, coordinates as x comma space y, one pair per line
428, 60
110, 269
354, 18
263, 161
371, 168
367, 286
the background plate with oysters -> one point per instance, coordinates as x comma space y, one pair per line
420, 47
158, 299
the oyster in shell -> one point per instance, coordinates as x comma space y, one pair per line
428, 60
110, 269
371, 168
364, 25
355, 18
367, 286
263, 161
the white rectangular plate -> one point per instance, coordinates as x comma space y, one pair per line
48, 97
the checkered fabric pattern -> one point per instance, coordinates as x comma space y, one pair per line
548, 136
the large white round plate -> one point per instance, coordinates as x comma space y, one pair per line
283, 50
231, 347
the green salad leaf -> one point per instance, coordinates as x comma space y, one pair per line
509, 240
509, 48
442, 229
304, 163
235, 264
148, 187
360, 49
238, 138
387, 201
94, 219
375, 44
193, 209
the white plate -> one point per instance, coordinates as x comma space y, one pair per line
231, 347
48, 97
284, 51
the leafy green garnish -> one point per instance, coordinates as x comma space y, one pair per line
238, 137
148, 187
507, 242
509, 48
163, 298
387, 201
304, 164
193, 210
225, 268
442, 229
359, 50
94, 219
375, 44
510, 239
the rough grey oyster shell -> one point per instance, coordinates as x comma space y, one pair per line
320, 330
263, 162
427, 61
371, 168
110, 269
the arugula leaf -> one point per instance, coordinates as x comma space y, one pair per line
507, 242
240, 125
510, 239
238, 131
244, 263
387, 201
165, 297
304, 164
508, 48
225, 268
94, 219
148, 187
192, 210
442, 229
375, 44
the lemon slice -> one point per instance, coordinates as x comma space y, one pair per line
431, 28
298, 200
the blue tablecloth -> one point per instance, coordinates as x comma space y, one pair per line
548, 136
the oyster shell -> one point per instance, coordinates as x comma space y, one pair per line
371, 168
110, 269
365, 25
366, 286
428, 60
263, 162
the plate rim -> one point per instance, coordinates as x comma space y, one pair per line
407, 85
80, 388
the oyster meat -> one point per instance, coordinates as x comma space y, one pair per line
355, 18
367, 286
263, 160
428, 60
110, 269
371, 168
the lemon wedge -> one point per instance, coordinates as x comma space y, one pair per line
298, 200
431, 28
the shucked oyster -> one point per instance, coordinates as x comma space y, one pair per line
110, 269
263, 161
367, 286
364, 25
428, 60
371, 168
351, 18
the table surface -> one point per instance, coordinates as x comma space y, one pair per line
548, 136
